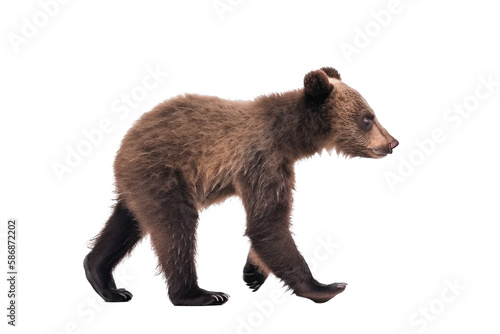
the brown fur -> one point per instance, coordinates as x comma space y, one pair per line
193, 151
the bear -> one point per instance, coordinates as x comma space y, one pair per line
192, 151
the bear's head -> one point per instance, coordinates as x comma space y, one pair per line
356, 131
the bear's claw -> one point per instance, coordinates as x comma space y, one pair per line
200, 297
253, 277
320, 293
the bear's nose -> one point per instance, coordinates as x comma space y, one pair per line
393, 145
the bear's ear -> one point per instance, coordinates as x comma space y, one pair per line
316, 84
331, 72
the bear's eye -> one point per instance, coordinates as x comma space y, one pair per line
367, 123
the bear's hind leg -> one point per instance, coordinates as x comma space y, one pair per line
172, 219
118, 237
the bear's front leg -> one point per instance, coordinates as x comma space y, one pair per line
281, 255
255, 271
268, 205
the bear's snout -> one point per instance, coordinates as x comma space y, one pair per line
393, 144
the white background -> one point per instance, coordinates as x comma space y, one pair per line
398, 248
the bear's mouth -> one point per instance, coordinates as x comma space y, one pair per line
381, 152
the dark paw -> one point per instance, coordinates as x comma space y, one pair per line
339, 287
320, 293
105, 288
115, 295
253, 277
200, 297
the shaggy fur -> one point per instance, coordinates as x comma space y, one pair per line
193, 151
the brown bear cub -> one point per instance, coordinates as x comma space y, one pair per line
192, 151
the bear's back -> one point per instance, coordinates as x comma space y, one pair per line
204, 137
